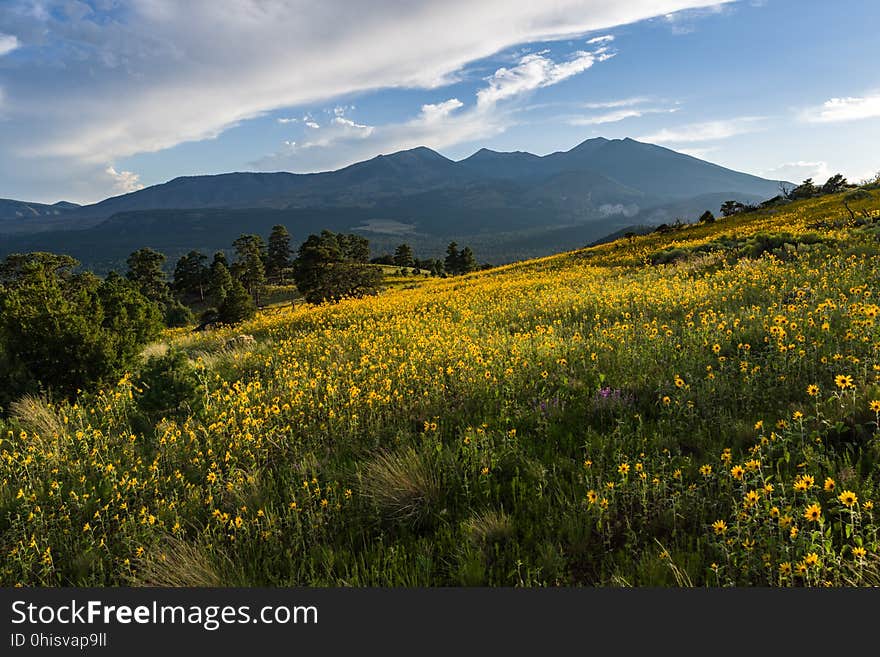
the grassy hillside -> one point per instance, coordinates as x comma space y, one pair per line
697, 407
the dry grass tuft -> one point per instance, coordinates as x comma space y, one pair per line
489, 527
181, 564
36, 416
405, 484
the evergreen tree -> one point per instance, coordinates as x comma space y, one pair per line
354, 248
707, 217
62, 332
403, 256
145, 271
237, 306
834, 184
19, 267
129, 317
278, 256
466, 261
730, 208
451, 264
249, 267
325, 272
219, 279
191, 275
805, 190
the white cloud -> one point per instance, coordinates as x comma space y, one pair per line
799, 171
683, 22
313, 125
533, 72
440, 111
437, 124
611, 104
609, 117
156, 73
286, 119
706, 131
626, 108
700, 153
8, 43
609, 210
123, 182
605, 38
837, 110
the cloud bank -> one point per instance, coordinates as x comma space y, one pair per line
839, 110
145, 75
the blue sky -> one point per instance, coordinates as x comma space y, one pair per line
102, 97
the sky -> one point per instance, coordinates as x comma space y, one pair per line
103, 97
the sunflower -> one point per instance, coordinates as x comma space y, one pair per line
813, 390
843, 381
875, 405
720, 527
848, 498
813, 512
751, 499
829, 484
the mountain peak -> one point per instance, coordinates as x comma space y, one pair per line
419, 153
589, 144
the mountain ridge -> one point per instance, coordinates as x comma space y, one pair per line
489, 199
653, 170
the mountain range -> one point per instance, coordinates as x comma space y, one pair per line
506, 205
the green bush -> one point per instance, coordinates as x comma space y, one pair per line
168, 386
62, 332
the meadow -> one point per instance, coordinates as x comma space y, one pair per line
692, 408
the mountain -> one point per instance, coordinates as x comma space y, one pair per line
25, 217
593, 189
661, 172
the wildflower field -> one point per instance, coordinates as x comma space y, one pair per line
698, 407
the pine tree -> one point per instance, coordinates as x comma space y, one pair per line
145, 271
324, 271
249, 267
219, 280
451, 264
61, 332
403, 256
191, 275
466, 261
278, 257
237, 306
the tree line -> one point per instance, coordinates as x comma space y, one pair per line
787, 193
456, 263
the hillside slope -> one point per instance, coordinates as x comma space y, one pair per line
696, 407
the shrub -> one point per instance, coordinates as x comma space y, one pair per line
62, 332
168, 387
176, 314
